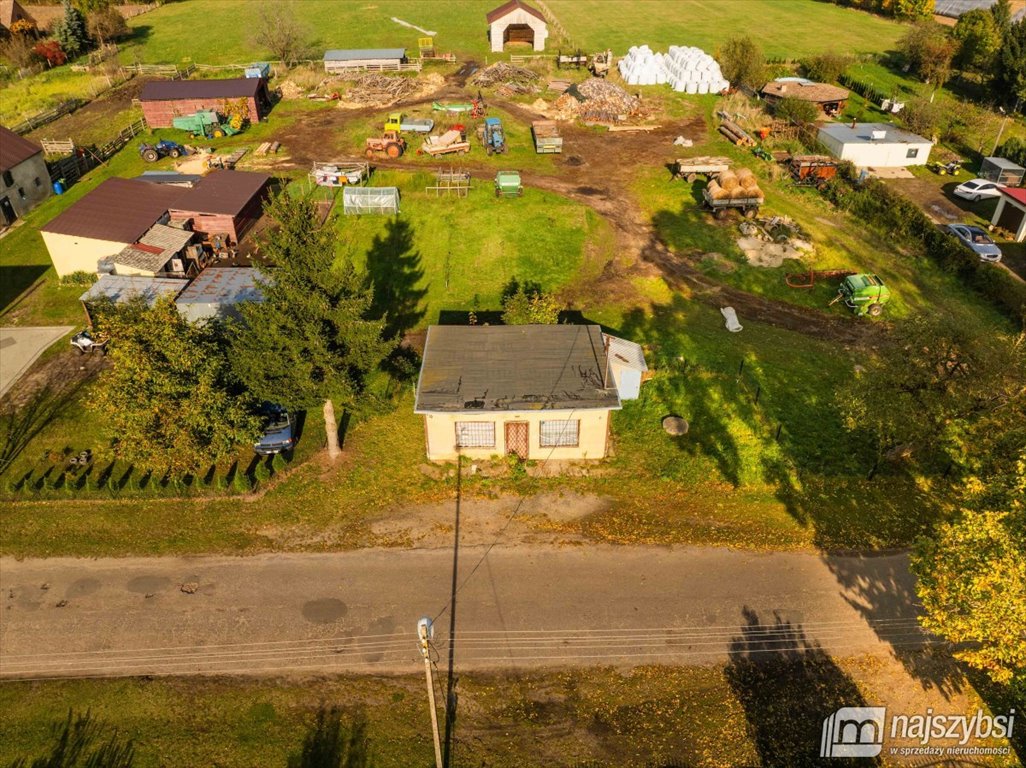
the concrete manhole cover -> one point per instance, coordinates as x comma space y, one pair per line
675, 425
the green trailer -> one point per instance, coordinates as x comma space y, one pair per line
864, 294
508, 184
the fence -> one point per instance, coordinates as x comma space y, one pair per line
48, 116
170, 70
554, 22
82, 160
342, 67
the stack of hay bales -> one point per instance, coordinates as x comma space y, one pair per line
735, 185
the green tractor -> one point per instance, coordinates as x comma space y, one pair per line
864, 294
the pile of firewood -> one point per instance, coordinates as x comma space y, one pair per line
508, 75
374, 88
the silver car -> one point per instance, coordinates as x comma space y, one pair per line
976, 240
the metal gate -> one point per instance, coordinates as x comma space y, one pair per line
518, 438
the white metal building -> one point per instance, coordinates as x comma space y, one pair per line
627, 366
340, 60
359, 200
876, 145
216, 291
517, 22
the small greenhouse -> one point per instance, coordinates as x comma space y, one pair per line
359, 200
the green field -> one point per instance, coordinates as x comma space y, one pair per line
783, 28
169, 34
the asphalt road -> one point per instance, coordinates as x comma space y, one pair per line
522, 606
20, 347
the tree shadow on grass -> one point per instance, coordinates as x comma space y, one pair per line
788, 685
19, 425
79, 741
330, 743
15, 279
394, 271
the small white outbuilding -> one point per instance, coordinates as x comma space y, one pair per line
517, 22
875, 145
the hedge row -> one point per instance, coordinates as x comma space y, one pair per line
865, 90
889, 211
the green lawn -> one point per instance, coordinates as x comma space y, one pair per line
783, 28
176, 33
21, 98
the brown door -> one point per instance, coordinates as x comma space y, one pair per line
517, 438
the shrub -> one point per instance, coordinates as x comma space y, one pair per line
923, 117
796, 111
826, 67
1015, 150
51, 51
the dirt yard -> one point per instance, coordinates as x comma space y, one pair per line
99, 120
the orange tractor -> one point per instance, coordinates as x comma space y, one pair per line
390, 145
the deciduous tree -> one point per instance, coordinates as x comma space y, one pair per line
280, 32
742, 62
1010, 70
107, 24
797, 111
979, 39
310, 341
169, 396
826, 67
972, 583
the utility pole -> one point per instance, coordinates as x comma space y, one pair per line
425, 631
1004, 122
450, 697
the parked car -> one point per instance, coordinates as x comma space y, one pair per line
977, 189
279, 431
976, 240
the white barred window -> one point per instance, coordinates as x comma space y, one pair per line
475, 434
560, 433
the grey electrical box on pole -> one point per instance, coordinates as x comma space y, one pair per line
425, 631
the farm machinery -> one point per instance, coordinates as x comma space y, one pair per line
206, 124
473, 108
864, 294
390, 145
951, 168
508, 184
568, 60
399, 123
151, 153
812, 170
601, 63
492, 136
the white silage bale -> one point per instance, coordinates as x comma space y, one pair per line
703, 88
692, 88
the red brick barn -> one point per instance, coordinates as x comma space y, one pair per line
163, 100
224, 203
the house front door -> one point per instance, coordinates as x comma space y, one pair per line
518, 438
7, 214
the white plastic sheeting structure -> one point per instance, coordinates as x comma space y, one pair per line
357, 200
683, 68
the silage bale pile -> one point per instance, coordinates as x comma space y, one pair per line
684, 68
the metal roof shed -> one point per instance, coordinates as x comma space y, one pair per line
360, 200
1002, 171
216, 291
120, 289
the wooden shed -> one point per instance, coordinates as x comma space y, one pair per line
223, 203
163, 100
517, 22
829, 98
340, 60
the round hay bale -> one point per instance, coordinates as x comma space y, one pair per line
744, 173
675, 425
728, 180
738, 193
750, 182
716, 192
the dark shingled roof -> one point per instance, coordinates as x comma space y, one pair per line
513, 5
171, 90
120, 210
14, 149
223, 192
513, 368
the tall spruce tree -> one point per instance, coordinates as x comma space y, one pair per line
71, 31
310, 341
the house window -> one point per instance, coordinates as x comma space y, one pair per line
560, 433
38, 182
475, 434
912, 153
8, 179
21, 192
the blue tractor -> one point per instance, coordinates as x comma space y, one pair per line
494, 138
151, 153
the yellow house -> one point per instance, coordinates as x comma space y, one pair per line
104, 222
535, 391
